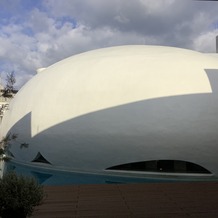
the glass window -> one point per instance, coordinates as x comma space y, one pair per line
171, 166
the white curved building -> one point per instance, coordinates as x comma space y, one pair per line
133, 110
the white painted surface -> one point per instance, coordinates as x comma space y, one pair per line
40, 70
117, 105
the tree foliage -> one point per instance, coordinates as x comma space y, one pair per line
9, 89
10, 81
19, 195
5, 144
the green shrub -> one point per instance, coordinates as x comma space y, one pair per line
19, 195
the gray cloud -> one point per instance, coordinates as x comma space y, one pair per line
43, 35
170, 22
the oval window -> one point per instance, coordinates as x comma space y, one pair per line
170, 166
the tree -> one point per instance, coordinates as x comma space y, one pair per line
5, 143
19, 195
11, 80
9, 89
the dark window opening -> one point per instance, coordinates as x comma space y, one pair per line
39, 158
169, 166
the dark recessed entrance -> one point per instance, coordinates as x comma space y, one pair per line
170, 166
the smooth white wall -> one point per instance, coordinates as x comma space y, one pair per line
117, 105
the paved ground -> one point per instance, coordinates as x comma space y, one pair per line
174, 200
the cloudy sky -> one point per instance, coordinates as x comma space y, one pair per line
38, 33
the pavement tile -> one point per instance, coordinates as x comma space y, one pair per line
174, 200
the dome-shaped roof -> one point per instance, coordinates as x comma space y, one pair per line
118, 102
